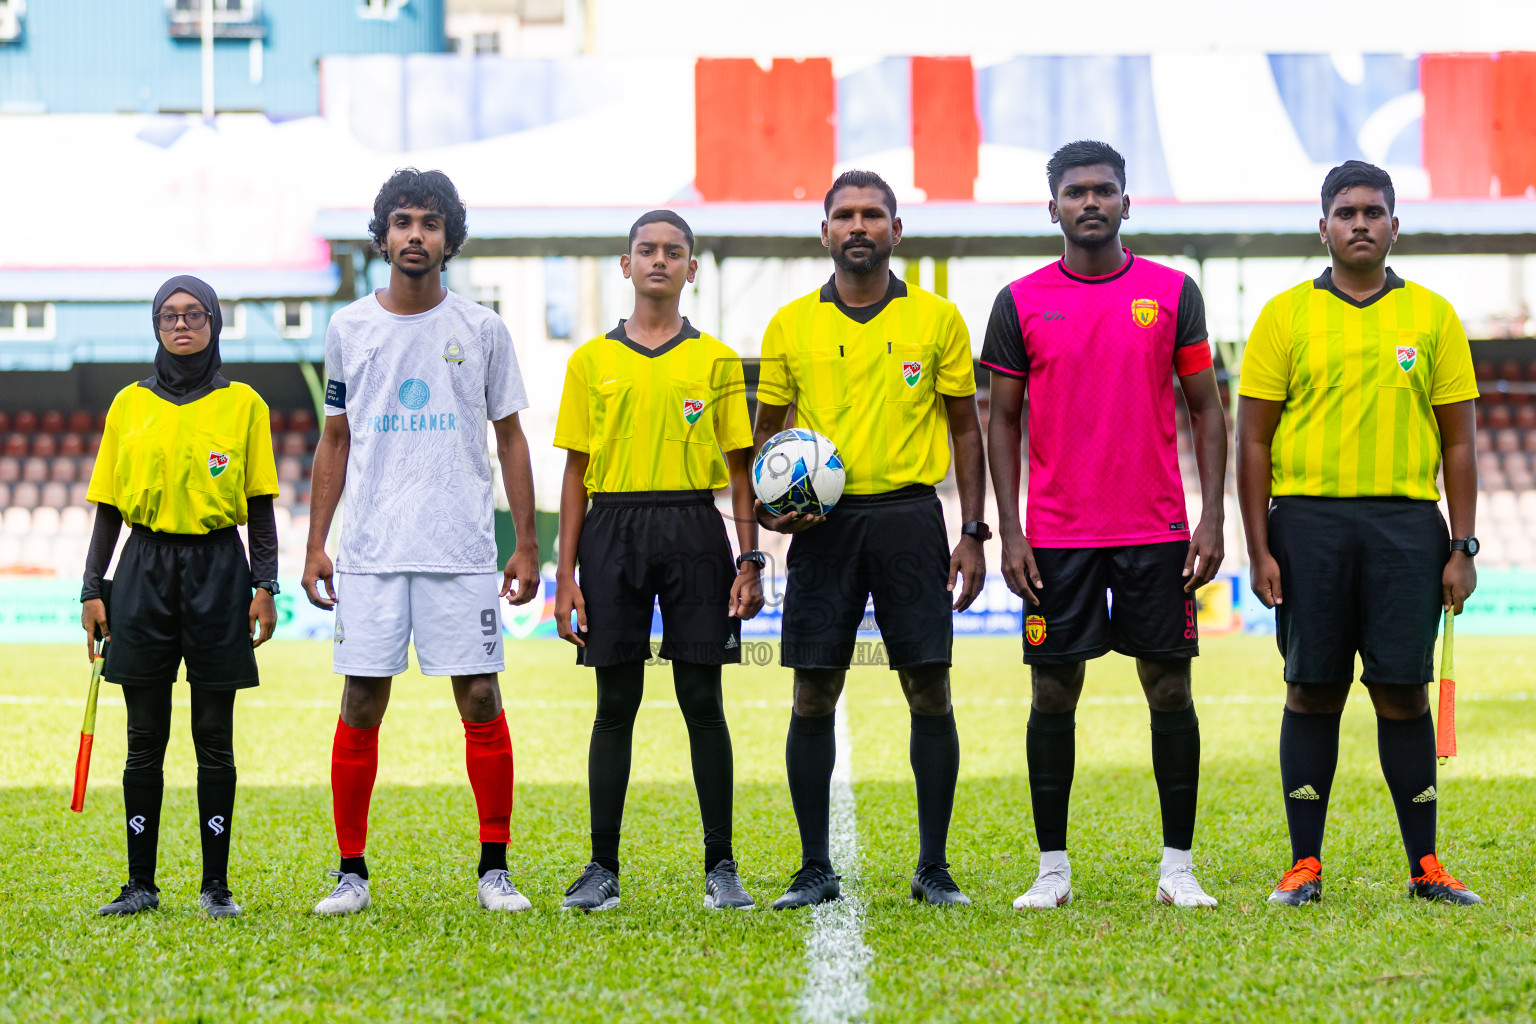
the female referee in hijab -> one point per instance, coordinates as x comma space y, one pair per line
185, 458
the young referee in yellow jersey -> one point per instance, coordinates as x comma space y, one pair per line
647, 411
884, 370
185, 458
1357, 391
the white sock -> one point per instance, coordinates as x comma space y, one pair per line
1056, 860
1176, 859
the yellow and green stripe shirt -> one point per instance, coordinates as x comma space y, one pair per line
654, 419
1359, 381
870, 379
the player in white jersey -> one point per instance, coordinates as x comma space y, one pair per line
414, 374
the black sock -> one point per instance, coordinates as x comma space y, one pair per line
810, 755
1309, 754
142, 793
355, 866
493, 857
1407, 750
619, 690
1176, 766
215, 810
1050, 747
709, 745
935, 755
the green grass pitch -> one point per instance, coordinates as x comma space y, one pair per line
425, 951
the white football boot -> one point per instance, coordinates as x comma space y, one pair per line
349, 896
498, 893
1177, 886
1052, 888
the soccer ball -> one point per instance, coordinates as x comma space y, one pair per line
798, 471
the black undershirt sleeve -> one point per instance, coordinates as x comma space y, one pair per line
1190, 328
261, 536
109, 522
1003, 347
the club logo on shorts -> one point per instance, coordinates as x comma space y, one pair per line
453, 352
414, 393
693, 408
218, 462
340, 635
911, 372
1407, 355
1034, 630
1144, 312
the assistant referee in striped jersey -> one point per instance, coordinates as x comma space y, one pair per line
1357, 389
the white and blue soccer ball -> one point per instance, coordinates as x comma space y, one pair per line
798, 470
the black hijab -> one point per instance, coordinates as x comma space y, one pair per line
181, 379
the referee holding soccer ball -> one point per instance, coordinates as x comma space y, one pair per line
881, 368
186, 457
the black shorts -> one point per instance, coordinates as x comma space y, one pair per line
638, 547
892, 546
1358, 574
179, 596
1151, 616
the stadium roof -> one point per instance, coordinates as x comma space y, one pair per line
1199, 230
139, 284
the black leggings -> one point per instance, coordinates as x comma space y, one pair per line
149, 731
619, 692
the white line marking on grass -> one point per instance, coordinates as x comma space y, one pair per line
836, 983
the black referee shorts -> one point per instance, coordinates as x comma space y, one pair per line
1148, 614
891, 546
181, 596
638, 547
1358, 575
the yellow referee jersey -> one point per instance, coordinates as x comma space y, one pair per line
869, 378
184, 468
654, 420
1359, 380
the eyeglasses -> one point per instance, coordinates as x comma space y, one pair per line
195, 319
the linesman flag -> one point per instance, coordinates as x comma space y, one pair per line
1445, 723
87, 733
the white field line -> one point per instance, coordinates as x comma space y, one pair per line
657, 705
836, 983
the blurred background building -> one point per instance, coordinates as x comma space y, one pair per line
561, 120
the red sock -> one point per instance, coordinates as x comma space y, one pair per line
488, 756
354, 764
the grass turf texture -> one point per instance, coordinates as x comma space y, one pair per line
426, 951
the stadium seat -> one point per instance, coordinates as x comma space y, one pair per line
54, 495
278, 421
1525, 417
1480, 415
77, 494
1506, 440
99, 422
17, 521
10, 469
45, 446
79, 422
45, 522
1499, 417
51, 422
1503, 506
5, 421
24, 422
34, 470
301, 420
62, 471
294, 444
93, 444
1510, 369
1483, 442
72, 445
289, 470
36, 552
1526, 502
16, 446
74, 522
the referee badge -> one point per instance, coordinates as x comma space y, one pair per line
453, 352
1144, 312
693, 408
911, 372
1407, 355
1034, 630
218, 462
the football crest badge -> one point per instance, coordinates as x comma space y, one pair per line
1034, 630
218, 462
1144, 312
453, 352
1407, 355
911, 372
693, 408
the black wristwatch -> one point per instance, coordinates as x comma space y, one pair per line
270, 586
977, 529
757, 558
1470, 546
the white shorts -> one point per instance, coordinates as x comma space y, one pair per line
456, 620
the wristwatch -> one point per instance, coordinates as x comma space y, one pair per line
977, 529
1470, 546
757, 558
270, 586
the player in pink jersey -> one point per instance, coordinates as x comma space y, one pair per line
1099, 336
